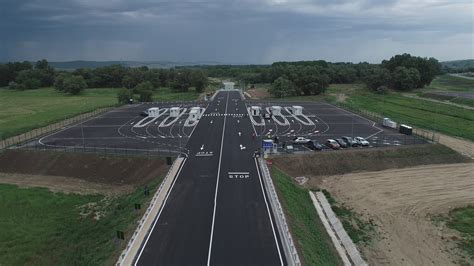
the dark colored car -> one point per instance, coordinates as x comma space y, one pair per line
144, 113
342, 143
333, 144
350, 141
314, 145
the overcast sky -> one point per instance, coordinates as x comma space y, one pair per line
245, 31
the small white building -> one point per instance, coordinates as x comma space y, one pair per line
255, 110
194, 113
153, 112
297, 110
276, 110
174, 111
228, 85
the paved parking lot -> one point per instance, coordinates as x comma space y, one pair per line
327, 121
125, 128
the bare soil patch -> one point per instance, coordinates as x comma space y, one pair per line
111, 170
259, 93
402, 203
320, 164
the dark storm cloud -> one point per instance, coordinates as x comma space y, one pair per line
249, 31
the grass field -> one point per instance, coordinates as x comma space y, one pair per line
308, 231
451, 83
44, 228
462, 220
167, 94
444, 118
26, 110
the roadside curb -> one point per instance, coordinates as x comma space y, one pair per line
346, 249
285, 235
141, 232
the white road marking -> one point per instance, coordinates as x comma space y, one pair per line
159, 213
217, 185
268, 211
240, 134
202, 147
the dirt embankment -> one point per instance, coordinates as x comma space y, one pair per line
402, 203
78, 172
346, 161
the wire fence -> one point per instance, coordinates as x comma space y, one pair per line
374, 142
35, 133
104, 150
422, 133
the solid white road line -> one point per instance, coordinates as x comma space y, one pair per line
158, 216
217, 185
268, 210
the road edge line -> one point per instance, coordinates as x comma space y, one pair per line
126, 257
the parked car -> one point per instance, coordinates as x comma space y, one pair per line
333, 144
361, 141
342, 143
350, 141
314, 145
301, 140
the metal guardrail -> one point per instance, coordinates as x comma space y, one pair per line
126, 252
283, 230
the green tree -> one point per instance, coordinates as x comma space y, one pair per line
282, 87
199, 80
427, 68
29, 79
59, 81
376, 77
405, 78
145, 91
128, 82
46, 73
74, 84
123, 95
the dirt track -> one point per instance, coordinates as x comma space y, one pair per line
402, 202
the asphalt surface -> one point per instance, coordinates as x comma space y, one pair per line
118, 130
216, 212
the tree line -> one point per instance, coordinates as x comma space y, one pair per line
23, 76
401, 72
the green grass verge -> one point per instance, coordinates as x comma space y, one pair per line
44, 228
312, 240
462, 220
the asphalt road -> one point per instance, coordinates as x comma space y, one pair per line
216, 212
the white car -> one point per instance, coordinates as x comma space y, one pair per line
361, 141
301, 140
